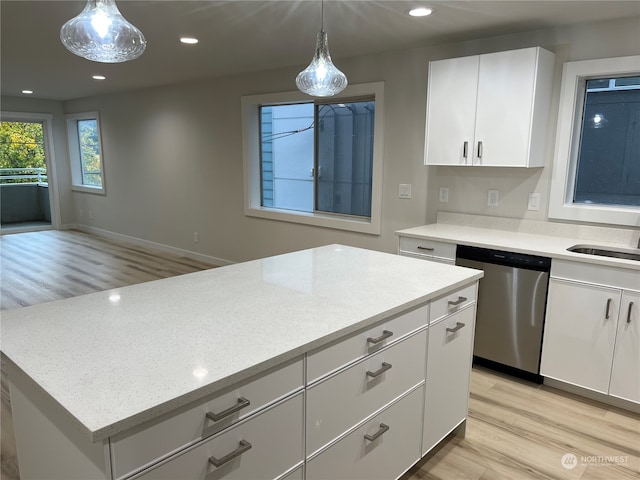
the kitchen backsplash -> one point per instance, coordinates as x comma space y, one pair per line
628, 237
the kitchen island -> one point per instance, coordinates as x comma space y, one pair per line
265, 369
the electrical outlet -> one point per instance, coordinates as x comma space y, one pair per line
534, 201
196, 237
404, 190
493, 198
444, 194
90, 215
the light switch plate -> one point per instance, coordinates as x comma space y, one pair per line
534, 201
493, 198
444, 194
404, 190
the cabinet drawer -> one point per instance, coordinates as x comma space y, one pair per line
385, 457
452, 302
329, 359
148, 443
271, 440
339, 402
428, 248
448, 372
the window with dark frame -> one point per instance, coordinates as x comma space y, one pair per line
318, 157
608, 163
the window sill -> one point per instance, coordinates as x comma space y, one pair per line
612, 215
87, 189
353, 224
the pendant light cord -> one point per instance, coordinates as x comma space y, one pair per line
322, 14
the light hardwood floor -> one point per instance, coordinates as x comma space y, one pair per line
49, 265
516, 430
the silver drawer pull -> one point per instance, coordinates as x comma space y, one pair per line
458, 326
606, 315
457, 302
428, 249
383, 428
242, 403
629, 312
385, 334
242, 447
385, 366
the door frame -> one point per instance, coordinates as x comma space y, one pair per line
50, 160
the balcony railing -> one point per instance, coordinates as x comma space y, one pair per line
24, 175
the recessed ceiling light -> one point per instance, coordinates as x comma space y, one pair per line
420, 11
189, 40
99, 77
27, 92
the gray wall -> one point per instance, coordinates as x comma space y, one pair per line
173, 155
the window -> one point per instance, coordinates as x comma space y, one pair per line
85, 152
597, 166
318, 157
316, 163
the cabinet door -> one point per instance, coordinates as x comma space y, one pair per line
579, 334
448, 371
506, 83
451, 107
625, 375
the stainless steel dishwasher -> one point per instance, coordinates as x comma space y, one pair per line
512, 298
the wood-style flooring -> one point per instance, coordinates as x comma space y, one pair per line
38, 267
515, 431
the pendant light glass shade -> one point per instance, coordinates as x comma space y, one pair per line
321, 78
101, 34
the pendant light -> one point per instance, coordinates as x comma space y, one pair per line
321, 78
100, 33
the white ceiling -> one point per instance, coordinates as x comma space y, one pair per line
242, 36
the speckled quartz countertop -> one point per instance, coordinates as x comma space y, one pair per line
553, 246
117, 358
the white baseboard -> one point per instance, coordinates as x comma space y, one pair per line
591, 395
220, 262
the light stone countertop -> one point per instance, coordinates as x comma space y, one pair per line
520, 242
115, 359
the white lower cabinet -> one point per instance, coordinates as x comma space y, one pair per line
433, 250
264, 447
297, 474
337, 403
625, 372
449, 357
382, 448
592, 332
580, 334
353, 409
138, 448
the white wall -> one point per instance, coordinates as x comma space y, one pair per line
173, 161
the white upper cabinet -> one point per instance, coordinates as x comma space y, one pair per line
489, 110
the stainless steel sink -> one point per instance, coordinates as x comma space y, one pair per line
626, 254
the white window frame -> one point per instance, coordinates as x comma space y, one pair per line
251, 158
74, 153
572, 90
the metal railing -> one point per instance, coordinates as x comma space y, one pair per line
24, 175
